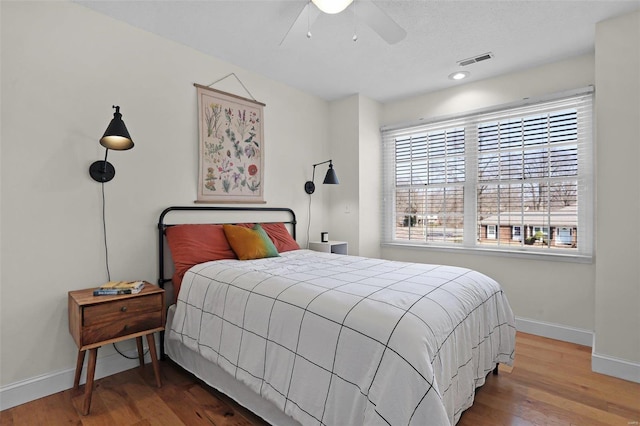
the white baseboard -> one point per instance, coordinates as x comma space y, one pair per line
615, 367
602, 364
555, 331
48, 384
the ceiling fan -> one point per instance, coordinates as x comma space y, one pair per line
365, 10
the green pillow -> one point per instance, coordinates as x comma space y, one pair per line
250, 243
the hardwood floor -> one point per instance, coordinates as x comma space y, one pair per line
551, 383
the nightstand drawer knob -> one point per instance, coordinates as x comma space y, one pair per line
123, 309
126, 327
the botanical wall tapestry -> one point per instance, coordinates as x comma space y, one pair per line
231, 148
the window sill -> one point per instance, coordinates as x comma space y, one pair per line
558, 255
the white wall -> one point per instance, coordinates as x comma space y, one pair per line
370, 177
344, 199
63, 66
547, 291
617, 280
354, 205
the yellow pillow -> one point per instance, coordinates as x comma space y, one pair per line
249, 243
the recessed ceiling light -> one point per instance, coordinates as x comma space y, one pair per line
459, 75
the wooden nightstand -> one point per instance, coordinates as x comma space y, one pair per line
337, 247
98, 320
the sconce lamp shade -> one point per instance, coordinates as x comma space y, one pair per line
116, 136
330, 178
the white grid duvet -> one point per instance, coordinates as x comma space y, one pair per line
346, 340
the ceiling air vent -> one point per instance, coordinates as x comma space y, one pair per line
478, 58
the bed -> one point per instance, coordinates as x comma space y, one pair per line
311, 338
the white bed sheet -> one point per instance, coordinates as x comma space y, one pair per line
335, 340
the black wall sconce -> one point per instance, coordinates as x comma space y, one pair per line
331, 178
116, 137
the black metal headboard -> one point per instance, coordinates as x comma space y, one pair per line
162, 226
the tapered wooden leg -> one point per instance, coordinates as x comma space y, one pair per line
154, 358
91, 370
495, 370
79, 362
140, 351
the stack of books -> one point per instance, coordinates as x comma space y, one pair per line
119, 287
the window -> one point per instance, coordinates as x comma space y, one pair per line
429, 181
518, 178
516, 233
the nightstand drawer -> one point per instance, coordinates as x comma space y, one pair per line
121, 309
122, 326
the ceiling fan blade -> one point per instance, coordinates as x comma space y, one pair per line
303, 22
379, 21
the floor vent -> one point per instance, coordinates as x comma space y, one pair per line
479, 58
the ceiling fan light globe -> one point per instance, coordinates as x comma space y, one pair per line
332, 6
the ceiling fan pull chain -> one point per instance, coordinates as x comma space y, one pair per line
308, 24
355, 22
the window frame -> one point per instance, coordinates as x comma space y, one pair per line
581, 99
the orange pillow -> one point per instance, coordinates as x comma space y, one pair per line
280, 236
193, 244
248, 243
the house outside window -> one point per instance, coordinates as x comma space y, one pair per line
517, 178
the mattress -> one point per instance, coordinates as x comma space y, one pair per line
326, 339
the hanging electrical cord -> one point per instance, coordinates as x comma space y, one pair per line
104, 231
309, 221
129, 357
106, 261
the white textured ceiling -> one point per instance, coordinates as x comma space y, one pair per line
520, 33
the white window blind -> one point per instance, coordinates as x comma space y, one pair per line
429, 179
517, 178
